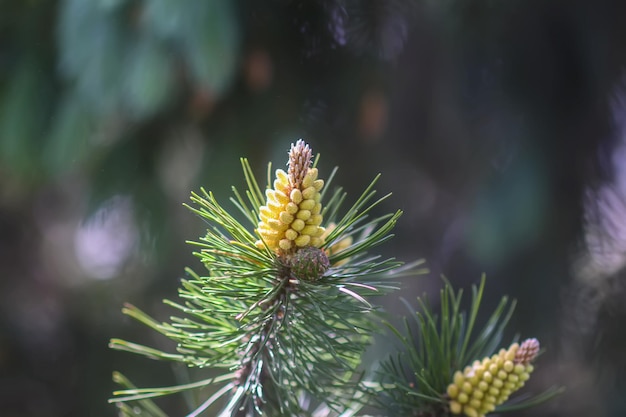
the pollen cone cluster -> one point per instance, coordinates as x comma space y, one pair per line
291, 217
337, 246
488, 383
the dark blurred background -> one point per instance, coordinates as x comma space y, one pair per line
500, 127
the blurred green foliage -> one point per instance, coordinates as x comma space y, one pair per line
102, 70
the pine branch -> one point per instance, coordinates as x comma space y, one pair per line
425, 377
282, 308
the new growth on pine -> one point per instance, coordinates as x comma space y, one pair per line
283, 312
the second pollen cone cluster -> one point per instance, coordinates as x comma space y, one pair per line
488, 383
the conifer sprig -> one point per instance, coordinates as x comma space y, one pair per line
281, 307
425, 377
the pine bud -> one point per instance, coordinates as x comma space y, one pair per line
488, 383
527, 351
309, 263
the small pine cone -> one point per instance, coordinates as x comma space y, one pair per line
527, 351
480, 388
309, 263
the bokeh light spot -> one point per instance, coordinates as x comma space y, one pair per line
107, 238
